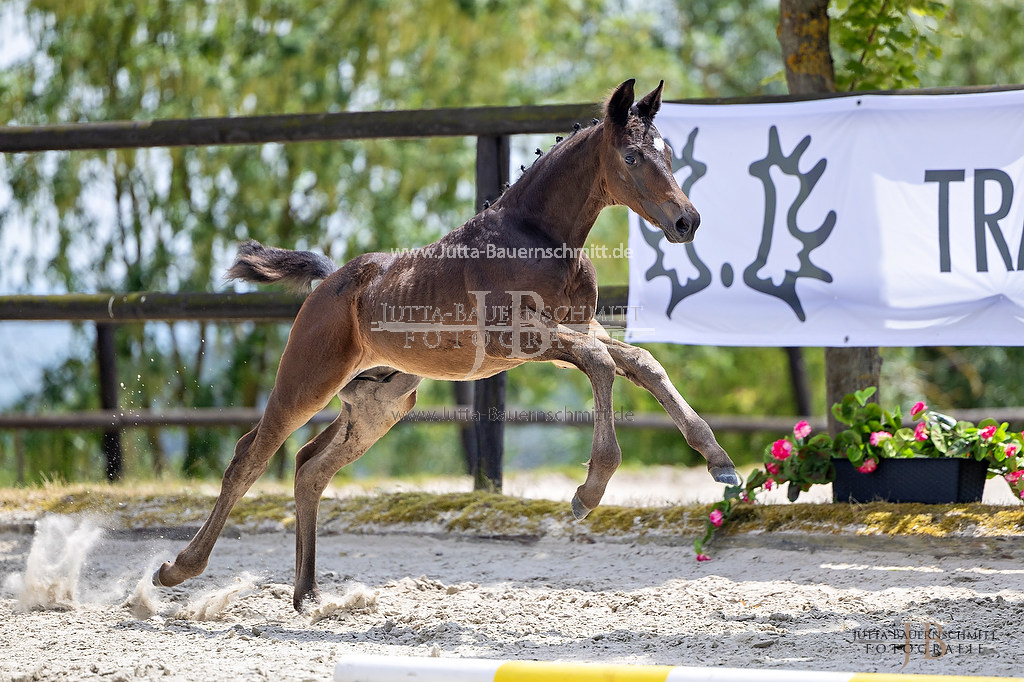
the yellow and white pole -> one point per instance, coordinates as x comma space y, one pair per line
359, 668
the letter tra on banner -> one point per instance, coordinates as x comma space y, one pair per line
868, 220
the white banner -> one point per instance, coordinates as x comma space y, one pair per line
884, 220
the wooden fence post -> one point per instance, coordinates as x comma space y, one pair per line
492, 172
106, 357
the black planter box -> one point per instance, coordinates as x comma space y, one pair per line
931, 481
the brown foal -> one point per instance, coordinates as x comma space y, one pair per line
512, 285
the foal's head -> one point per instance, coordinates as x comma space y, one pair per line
637, 164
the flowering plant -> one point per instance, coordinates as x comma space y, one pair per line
802, 460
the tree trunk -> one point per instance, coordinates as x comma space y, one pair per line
803, 36
798, 378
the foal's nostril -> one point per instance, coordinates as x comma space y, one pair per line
688, 223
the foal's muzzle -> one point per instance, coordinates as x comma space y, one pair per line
685, 227
678, 223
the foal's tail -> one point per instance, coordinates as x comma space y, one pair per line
265, 265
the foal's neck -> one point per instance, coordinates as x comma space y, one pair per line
563, 193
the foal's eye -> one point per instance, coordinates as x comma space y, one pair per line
630, 160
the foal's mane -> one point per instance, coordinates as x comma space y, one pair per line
542, 163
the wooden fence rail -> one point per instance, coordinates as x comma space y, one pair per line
481, 121
451, 414
149, 306
221, 307
466, 122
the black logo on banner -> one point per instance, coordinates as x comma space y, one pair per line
808, 239
656, 237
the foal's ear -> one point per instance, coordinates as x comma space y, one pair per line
620, 102
649, 105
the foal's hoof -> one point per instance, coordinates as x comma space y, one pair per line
579, 510
307, 601
726, 475
167, 579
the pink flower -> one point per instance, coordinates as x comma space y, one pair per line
1022, 494
921, 432
1014, 476
802, 429
918, 408
772, 467
769, 483
715, 517
782, 448
703, 557
744, 496
987, 432
878, 436
1011, 449
868, 466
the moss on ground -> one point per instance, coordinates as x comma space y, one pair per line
488, 514
882, 518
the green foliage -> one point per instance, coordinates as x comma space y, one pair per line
58, 455
965, 376
980, 44
883, 44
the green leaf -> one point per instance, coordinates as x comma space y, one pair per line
864, 395
820, 440
904, 434
756, 479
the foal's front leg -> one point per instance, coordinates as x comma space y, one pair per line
640, 367
562, 344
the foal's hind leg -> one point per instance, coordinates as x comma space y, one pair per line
369, 409
298, 394
640, 367
252, 454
